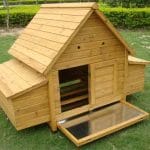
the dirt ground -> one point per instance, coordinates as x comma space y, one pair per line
13, 31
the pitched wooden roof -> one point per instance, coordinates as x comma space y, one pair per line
16, 78
50, 32
135, 60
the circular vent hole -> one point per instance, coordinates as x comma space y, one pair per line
79, 47
103, 43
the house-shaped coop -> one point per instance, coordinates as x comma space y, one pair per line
72, 70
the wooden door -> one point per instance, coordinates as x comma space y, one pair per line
103, 83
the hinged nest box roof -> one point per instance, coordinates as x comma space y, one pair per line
51, 31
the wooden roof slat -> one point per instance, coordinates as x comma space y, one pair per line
71, 5
28, 61
16, 78
51, 29
25, 72
135, 60
64, 11
41, 41
30, 53
36, 48
5, 90
47, 35
68, 18
15, 83
56, 23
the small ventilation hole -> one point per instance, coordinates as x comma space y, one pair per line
103, 43
79, 47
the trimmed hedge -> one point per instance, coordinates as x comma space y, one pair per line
128, 18
20, 16
120, 17
33, 2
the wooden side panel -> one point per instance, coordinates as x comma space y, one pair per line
94, 43
135, 80
32, 108
7, 107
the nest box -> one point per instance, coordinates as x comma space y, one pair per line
73, 70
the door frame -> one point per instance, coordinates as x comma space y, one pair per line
107, 99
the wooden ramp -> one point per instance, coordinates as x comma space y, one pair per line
16, 78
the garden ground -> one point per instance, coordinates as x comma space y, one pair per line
136, 137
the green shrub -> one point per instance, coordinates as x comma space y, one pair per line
19, 16
120, 17
128, 18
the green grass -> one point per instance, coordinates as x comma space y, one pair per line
5, 43
136, 137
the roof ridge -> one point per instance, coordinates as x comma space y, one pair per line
71, 5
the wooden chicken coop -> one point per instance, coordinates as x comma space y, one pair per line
72, 70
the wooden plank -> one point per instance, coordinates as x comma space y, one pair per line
71, 5
42, 90
103, 101
86, 53
11, 78
74, 92
50, 36
92, 45
92, 22
96, 30
74, 56
33, 122
29, 102
26, 73
134, 60
54, 95
84, 37
7, 108
69, 18
56, 23
77, 62
44, 51
50, 29
91, 81
104, 92
31, 54
114, 31
4, 88
96, 50
64, 11
41, 41
32, 115
105, 71
73, 112
104, 85
28, 60
21, 86
72, 100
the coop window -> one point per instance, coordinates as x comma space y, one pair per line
73, 84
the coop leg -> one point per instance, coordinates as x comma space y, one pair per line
53, 97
